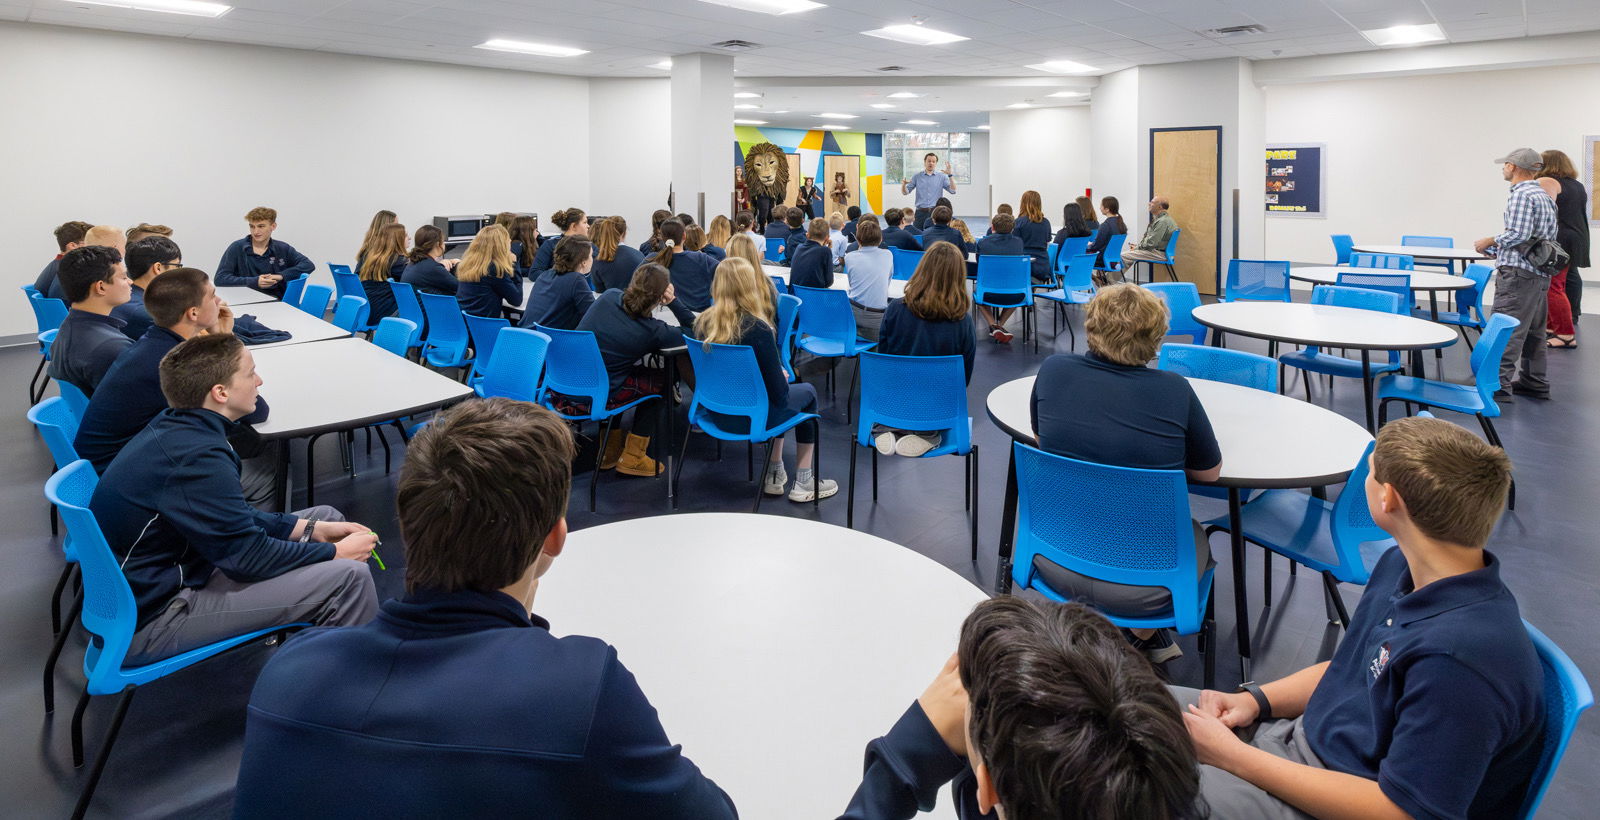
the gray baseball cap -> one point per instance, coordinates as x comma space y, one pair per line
1525, 158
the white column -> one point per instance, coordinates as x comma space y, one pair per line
702, 133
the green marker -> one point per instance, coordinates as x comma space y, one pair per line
375, 552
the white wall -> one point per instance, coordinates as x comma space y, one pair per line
118, 129
1415, 154
1043, 149
970, 199
622, 113
1114, 140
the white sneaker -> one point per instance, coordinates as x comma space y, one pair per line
775, 481
885, 443
913, 445
805, 492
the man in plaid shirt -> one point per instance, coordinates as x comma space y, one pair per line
1520, 290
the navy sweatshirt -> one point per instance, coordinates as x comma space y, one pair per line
899, 238
46, 280
131, 398
545, 259
1112, 226
1035, 238
793, 243
380, 297
618, 272
945, 233
776, 229
714, 252
625, 338
763, 341
812, 266
85, 347
430, 276
172, 510
906, 334
1001, 244
241, 265
904, 771
460, 704
484, 297
692, 272
136, 320
558, 300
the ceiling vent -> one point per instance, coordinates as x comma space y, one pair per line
736, 45
1235, 31
891, 68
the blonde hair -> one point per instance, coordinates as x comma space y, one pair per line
738, 290
694, 238
1125, 324
835, 219
144, 229
961, 225
491, 248
1032, 207
380, 220
606, 237
744, 247
719, 231
1453, 483
379, 251
106, 236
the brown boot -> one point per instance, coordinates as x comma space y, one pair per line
636, 460
613, 449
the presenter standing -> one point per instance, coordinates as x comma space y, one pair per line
929, 186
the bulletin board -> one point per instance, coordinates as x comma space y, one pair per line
1295, 176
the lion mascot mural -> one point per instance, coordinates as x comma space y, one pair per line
766, 172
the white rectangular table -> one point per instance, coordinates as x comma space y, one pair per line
302, 326
897, 287
243, 296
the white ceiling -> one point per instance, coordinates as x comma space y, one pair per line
624, 37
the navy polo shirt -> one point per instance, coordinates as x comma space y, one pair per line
1090, 409
1435, 693
136, 319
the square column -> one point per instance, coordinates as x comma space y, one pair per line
702, 133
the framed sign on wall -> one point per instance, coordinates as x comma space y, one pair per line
1295, 176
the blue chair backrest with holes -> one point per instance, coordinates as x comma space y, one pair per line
1181, 298
1352, 524
774, 251
516, 365
1172, 244
1078, 274
1470, 299
573, 367
394, 335
408, 308
1219, 364
727, 381
1485, 359
779, 284
314, 300
76, 400
1428, 241
1566, 697
345, 282
1004, 275
446, 345
825, 314
1073, 246
788, 317
905, 263
351, 313
1256, 280
48, 314
1052, 258
915, 393
1361, 298
1343, 244
58, 426
484, 332
1113, 251
1383, 261
293, 290
1396, 283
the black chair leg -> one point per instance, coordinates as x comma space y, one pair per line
1494, 438
77, 730
311, 470
104, 753
55, 598
850, 490
35, 385
382, 439
1266, 576
973, 514
1331, 585
55, 655
816, 470
599, 453
874, 475
761, 486
1208, 640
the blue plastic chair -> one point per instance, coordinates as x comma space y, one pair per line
1008, 276
1170, 258
446, 343
484, 332
294, 289
394, 335
109, 613
1343, 244
728, 381
314, 300
76, 400
515, 365
1076, 515
407, 307
1219, 364
905, 263
1469, 301
919, 393
1052, 259
1312, 360
1384, 261
1431, 242
1566, 697
48, 314
1256, 280
1063, 253
1476, 399
573, 367
1077, 288
827, 329
1396, 283
1336, 538
918, 237
1113, 253
774, 251
779, 284
788, 315
347, 283
57, 421
1181, 298
351, 314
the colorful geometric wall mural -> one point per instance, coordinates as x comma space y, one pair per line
814, 147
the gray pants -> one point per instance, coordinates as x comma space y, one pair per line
868, 322
258, 477
1524, 295
1236, 799
330, 593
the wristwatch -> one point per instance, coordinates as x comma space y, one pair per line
1264, 706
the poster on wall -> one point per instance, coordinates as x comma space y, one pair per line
1591, 174
1294, 180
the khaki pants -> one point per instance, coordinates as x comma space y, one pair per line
1237, 799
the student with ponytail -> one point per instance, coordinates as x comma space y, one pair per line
382, 258
692, 271
488, 275
562, 295
572, 222
651, 246
614, 261
429, 271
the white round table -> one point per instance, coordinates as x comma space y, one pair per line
1464, 255
1428, 281
301, 326
773, 648
841, 281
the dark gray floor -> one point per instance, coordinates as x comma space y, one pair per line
181, 743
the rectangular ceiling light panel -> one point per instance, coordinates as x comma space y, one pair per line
535, 49
915, 35
190, 7
768, 6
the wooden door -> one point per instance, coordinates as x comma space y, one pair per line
850, 166
1186, 168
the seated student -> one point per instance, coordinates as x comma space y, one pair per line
1073, 225
694, 239
426, 268
896, 236
744, 223
1107, 407
525, 242
1043, 712
625, 328
852, 219
572, 222
795, 219
1109, 227
813, 258
778, 228
1000, 242
718, 233
836, 238
488, 275
561, 295
1086, 208
145, 229
652, 246
966, 233
146, 259
742, 313
869, 269
258, 261
98, 236
203, 564
614, 260
741, 246
90, 338
380, 220
1034, 231
1002, 208
1433, 703
691, 271
382, 260
456, 700
934, 319
68, 235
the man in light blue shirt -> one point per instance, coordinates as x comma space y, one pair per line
929, 186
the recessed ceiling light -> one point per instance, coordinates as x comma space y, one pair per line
768, 6
933, 111
904, 131
666, 64
882, 105
1062, 67
1019, 105
747, 107
785, 111
983, 128
190, 7
835, 116
1404, 35
749, 122
833, 126
903, 95
1070, 94
919, 122
747, 95
915, 35
536, 49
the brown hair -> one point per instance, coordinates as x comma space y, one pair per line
937, 291
818, 229
607, 236
1111, 204
1032, 207
1087, 208
172, 293
482, 487
261, 213
144, 229
428, 237
645, 289
1453, 483
941, 215
743, 221
1125, 324
190, 370
1002, 222
961, 225
694, 237
894, 216
376, 258
868, 233
1005, 208
671, 230
794, 218
659, 216
570, 253
504, 219
1068, 718
525, 229
568, 218
70, 233
1557, 165
779, 213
